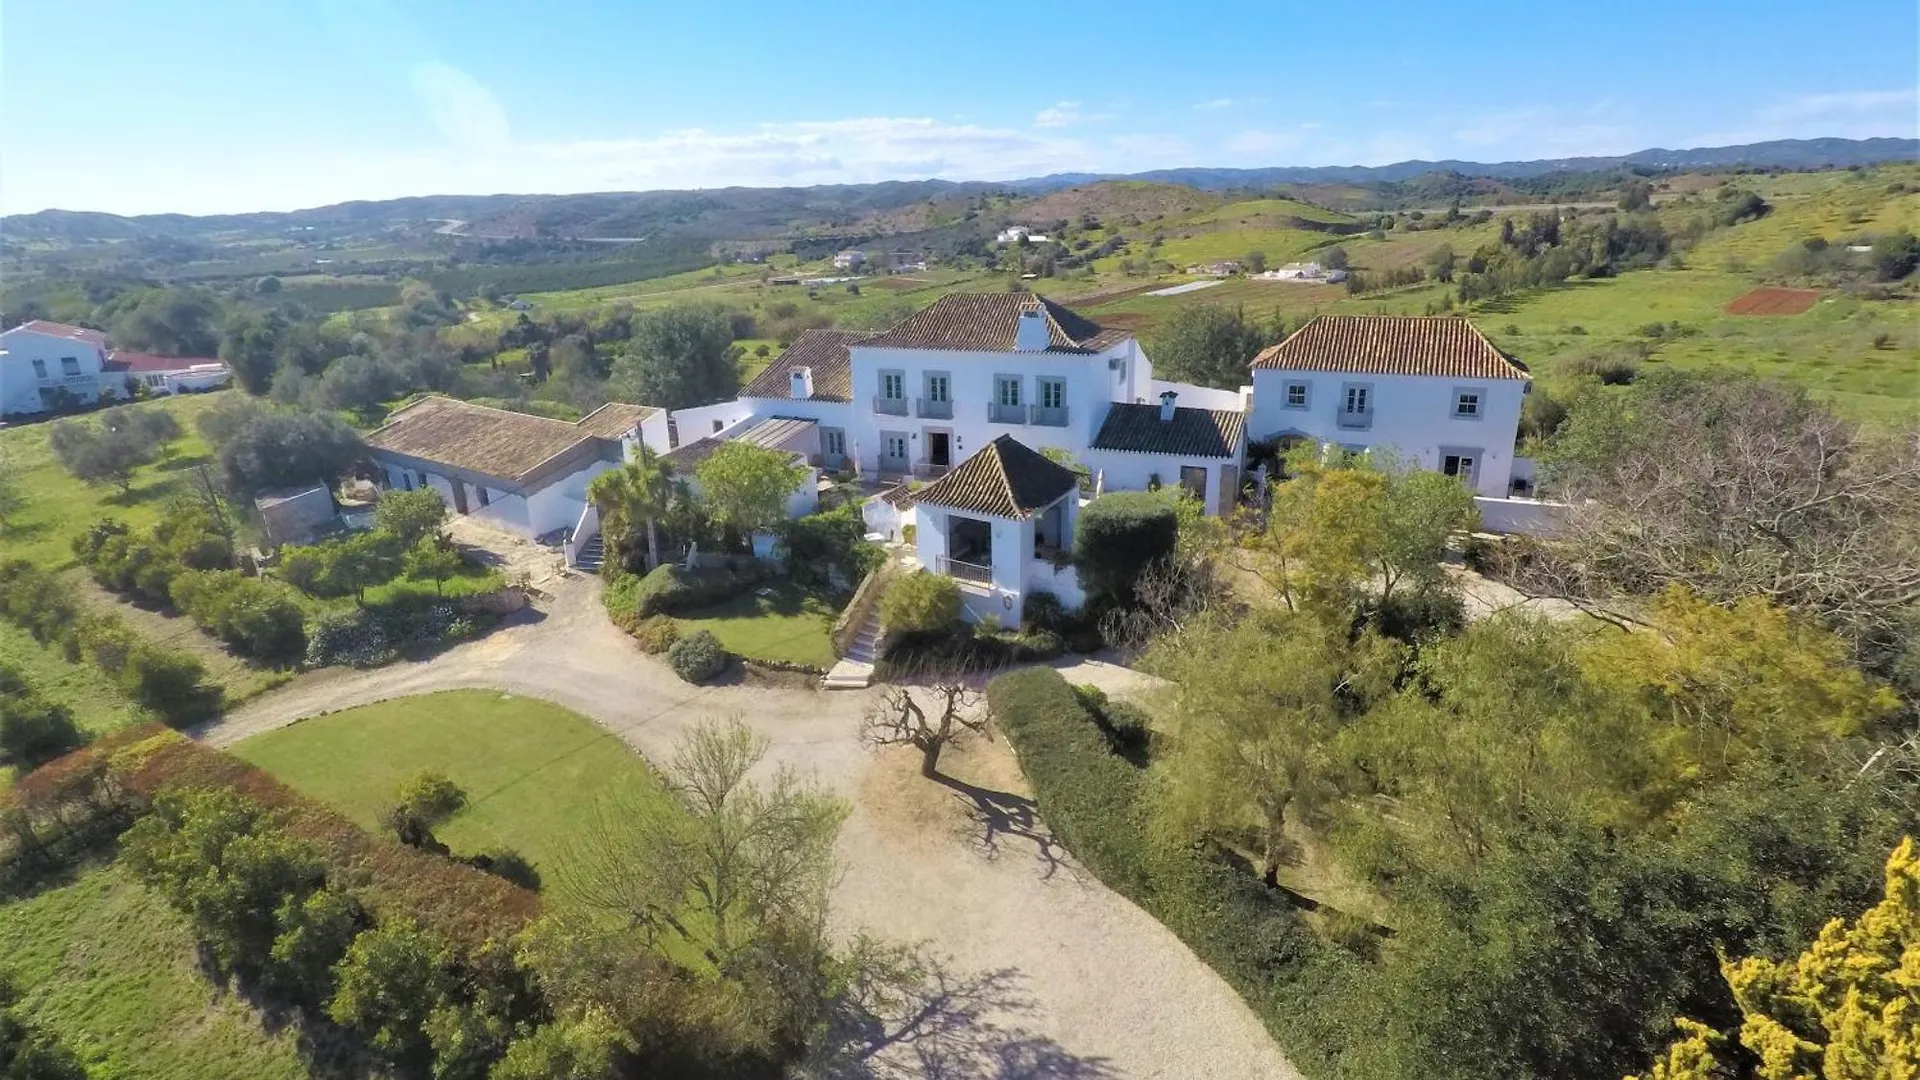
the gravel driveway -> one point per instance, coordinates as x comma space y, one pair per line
1046, 973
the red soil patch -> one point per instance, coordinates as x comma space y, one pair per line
1125, 320
902, 284
1113, 296
1773, 301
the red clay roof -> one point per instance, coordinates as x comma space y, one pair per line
144, 363
1438, 345
1005, 478
54, 329
987, 322
824, 352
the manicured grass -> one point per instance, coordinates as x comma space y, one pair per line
60, 507
532, 771
108, 967
789, 625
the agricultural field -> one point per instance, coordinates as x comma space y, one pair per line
531, 770
113, 972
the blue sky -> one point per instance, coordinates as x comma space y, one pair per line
205, 106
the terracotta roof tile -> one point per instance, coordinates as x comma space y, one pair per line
1191, 432
1005, 478
1439, 345
122, 360
493, 442
614, 419
822, 351
986, 322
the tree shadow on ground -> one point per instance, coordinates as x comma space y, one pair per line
1001, 818
910, 1014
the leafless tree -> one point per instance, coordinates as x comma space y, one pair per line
929, 718
1738, 488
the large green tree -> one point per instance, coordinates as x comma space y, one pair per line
745, 488
679, 357
1207, 344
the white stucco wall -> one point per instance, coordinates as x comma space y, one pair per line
696, 424
1412, 414
1196, 397
20, 386
557, 505
1091, 384
1124, 471
1531, 517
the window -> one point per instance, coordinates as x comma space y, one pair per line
1053, 393
1459, 463
1356, 405
939, 387
833, 441
895, 445
1466, 404
1194, 479
1356, 400
717, 425
893, 385
40, 368
1006, 390
69, 366
1296, 395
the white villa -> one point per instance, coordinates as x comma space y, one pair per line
970, 395
45, 366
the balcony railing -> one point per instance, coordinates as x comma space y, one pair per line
1356, 418
1006, 414
891, 406
1055, 416
964, 571
929, 409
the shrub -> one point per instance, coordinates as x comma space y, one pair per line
171, 684
1118, 537
374, 635
1041, 610
819, 546
33, 730
922, 603
656, 634
410, 515
671, 588
697, 657
1038, 645
253, 617
431, 795
1610, 370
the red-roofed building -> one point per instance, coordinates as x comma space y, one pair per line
169, 374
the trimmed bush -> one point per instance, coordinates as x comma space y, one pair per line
698, 657
922, 603
32, 729
251, 616
671, 588
1041, 610
171, 684
1118, 537
656, 634
370, 636
820, 544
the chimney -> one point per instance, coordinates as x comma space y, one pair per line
1166, 406
802, 383
1031, 333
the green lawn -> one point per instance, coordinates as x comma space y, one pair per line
60, 507
790, 625
97, 705
109, 968
532, 771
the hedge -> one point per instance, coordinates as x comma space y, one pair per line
1118, 537
670, 588
379, 633
1095, 803
249, 615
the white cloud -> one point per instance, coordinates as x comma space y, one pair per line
1060, 114
1216, 103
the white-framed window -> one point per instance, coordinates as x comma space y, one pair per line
40, 368
1296, 395
939, 386
1356, 399
893, 385
1466, 404
1006, 390
69, 365
1461, 463
1053, 393
1356, 405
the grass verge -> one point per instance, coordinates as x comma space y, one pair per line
788, 625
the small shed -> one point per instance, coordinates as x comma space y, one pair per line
297, 515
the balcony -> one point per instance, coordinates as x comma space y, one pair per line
1006, 414
964, 571
1055, 416
1355, 418
929, 409
890, 406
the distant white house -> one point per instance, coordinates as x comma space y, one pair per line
169, 374
49, 365
1013, 234
1308, 272
1221, 268
849, 259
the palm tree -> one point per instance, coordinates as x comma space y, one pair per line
640, 490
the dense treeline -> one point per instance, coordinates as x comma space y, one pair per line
1531, 840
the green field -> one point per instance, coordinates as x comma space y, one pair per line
790, 625
532, 771
60, 508
111, 970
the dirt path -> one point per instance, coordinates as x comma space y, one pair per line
1047, 972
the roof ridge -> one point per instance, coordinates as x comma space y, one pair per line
1000, 466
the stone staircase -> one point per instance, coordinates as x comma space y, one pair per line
592, 554
855, 670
